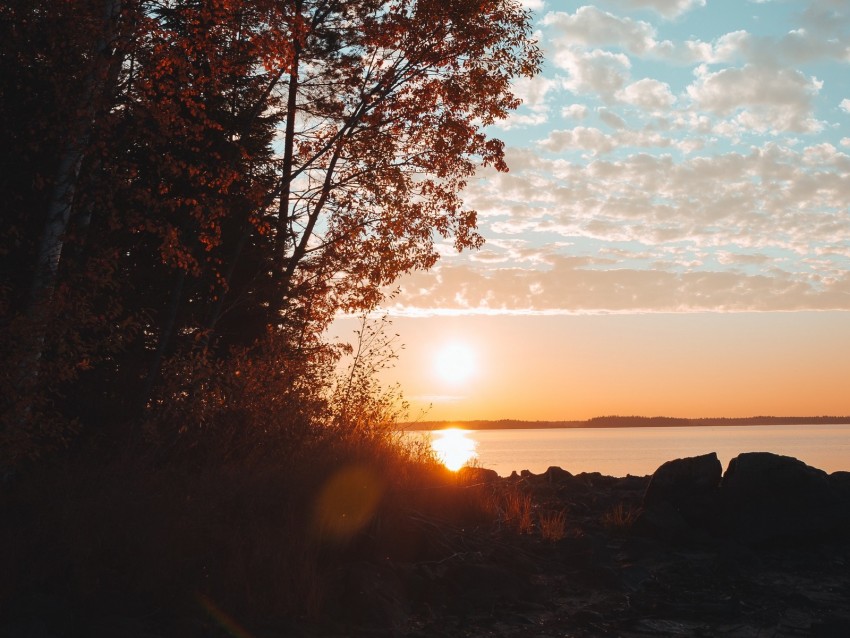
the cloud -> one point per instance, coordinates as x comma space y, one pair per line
570, 287
536, 94
828, 17
534, 91
648, 94
590, 27
611, 119
574, 111
533, 5
766, 99
596, 72
596, 142
769, 223
666, 8
721, 189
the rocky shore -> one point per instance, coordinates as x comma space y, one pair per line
760, 550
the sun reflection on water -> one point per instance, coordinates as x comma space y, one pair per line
453, 448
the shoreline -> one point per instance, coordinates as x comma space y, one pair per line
607, 422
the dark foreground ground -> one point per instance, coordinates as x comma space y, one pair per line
762, 550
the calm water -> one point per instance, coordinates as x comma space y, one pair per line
639, 451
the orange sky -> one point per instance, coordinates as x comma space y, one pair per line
577, 367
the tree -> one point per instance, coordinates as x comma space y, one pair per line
246, 171
392, 103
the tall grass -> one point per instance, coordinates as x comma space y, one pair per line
620, 517
518, 510
553, 525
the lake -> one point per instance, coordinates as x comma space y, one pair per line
639, 451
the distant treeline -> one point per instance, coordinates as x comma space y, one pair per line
630, 422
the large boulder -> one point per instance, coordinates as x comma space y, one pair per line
689, 485
680, 501
768, 498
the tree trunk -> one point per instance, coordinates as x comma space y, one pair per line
283, 220
62, 199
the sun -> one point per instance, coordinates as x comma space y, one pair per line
454, 363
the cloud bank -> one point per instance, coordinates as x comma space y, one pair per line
663, 163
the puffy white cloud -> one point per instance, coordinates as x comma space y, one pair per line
649, 94
590, 27
845, 105
767, 99
822, 35
595, 142
536, 94
666, 8
594, 72
580, 137
574, 111
798, 46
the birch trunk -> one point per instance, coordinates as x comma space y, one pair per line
68, 169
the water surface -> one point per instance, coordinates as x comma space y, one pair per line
639, 451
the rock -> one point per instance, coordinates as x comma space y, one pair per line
477, 475
840, 482
677, 481
767, 497
690, 485
662, 522
556, 475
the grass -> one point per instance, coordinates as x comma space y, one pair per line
620, 517
553, 525
517, 511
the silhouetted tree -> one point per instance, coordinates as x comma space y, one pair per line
193, 184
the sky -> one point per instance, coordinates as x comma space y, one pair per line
673, 237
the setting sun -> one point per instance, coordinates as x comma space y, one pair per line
455, 363
453, 448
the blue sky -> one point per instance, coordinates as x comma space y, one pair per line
673, 156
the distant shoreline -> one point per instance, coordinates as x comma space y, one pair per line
628, 422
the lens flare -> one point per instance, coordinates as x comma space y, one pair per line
347, 502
